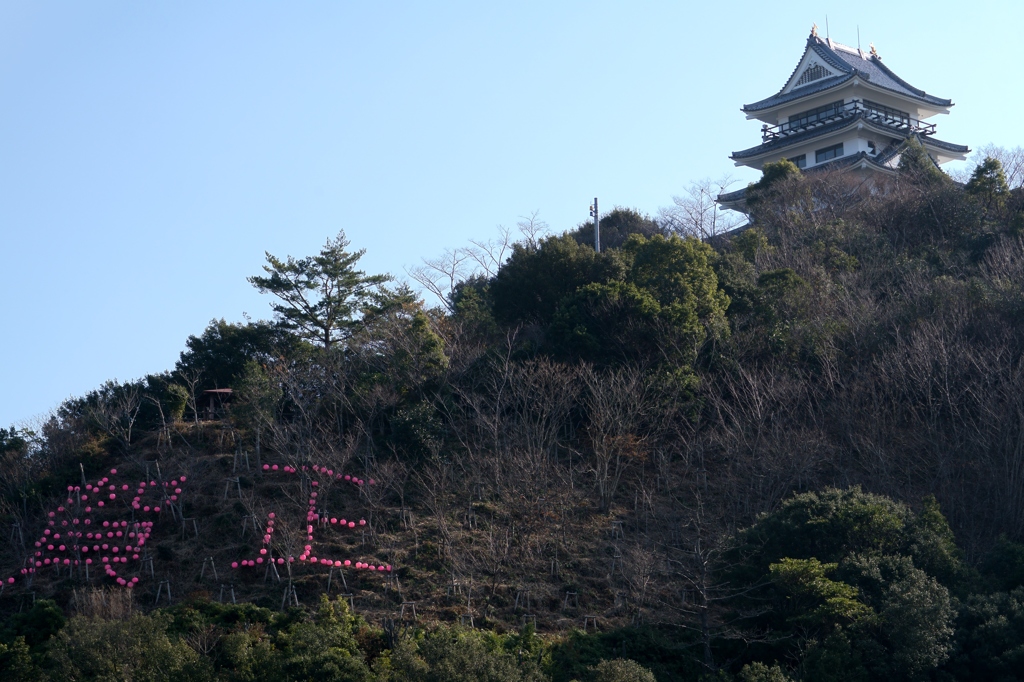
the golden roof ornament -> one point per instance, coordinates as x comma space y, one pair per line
874, 52
814, 30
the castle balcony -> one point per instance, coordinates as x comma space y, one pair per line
898, 121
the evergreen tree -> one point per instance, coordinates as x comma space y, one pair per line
988, 185
322, 296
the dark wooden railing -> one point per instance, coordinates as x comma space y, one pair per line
890, 118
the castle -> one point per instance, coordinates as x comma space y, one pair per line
842, 108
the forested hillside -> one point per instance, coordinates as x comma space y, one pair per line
793, 451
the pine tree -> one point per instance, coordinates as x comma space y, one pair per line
323, 296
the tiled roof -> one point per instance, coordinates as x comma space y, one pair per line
728, 197
948, 146
849, 62
841, 162
838, 124
802, 136
796, 93
880, 161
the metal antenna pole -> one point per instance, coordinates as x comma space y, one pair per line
597, 226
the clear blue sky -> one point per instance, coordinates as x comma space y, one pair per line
150, 152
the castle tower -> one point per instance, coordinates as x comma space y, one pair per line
842, 108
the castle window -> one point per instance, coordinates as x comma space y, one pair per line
806, 118
800, 161
828, 153
886, 114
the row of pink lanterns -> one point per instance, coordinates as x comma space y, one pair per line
312, 516
113, 530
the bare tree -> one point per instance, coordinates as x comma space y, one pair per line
532, 229
697, 214
616, 402
440, 276
117, 409
192, 377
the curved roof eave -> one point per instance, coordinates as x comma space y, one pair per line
837, 127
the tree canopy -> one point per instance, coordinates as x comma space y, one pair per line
322, 296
